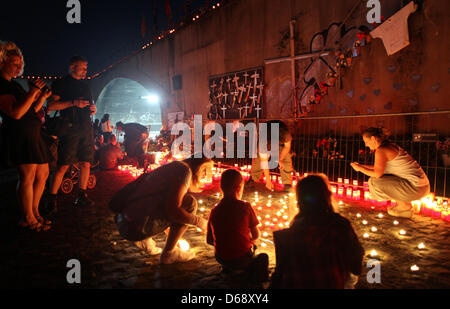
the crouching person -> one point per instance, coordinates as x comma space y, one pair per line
233, 229
157, 201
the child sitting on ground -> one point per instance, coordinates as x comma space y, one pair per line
233, 229
320, 250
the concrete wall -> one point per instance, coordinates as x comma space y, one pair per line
244, 33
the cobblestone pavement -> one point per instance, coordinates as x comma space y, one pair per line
38, 260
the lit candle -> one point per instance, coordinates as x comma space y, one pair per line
366, 235
355, 183
333, 190
346, 181
396, 222
373, 253
364, 222
263, 245
265, 234
339, 180
358, 215
402, 232
366, 195
414, 268
184, 245
421, 245
380, 215
349, 192
356, 195
374, 229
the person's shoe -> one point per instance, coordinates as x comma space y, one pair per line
148, 245
175, 256
396, 212
82, 200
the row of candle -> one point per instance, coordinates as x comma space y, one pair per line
427, 206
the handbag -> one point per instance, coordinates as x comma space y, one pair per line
57, 125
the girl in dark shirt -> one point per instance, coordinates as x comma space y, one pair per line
22, 142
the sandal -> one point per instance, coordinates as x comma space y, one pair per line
43, 221
36, 227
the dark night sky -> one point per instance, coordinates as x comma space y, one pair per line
109, 30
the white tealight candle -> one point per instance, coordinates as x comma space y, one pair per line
265, 234
373, 253
396, 222
402, 232
374, 229
263, 245
380, 216
358, 215
202, 209
421, 245
414, 268
364, 222
200, 201
366, 235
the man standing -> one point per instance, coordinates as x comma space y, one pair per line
135, 138
73, 98
260, 164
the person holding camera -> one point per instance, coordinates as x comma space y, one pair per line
23, 145
73, 98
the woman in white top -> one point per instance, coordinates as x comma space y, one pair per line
106, 127
395, 174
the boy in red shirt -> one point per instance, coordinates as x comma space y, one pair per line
233, 229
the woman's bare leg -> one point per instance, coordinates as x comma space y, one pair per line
27, 173
42, 173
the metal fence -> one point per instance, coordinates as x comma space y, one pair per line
329, 144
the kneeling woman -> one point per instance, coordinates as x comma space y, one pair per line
395, 175
159, 200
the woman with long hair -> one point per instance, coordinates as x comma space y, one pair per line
106, 127
395, 174
320, 249
23, 145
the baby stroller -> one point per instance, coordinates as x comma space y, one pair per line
72, 177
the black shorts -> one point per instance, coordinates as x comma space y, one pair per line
76, 146
154, 225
